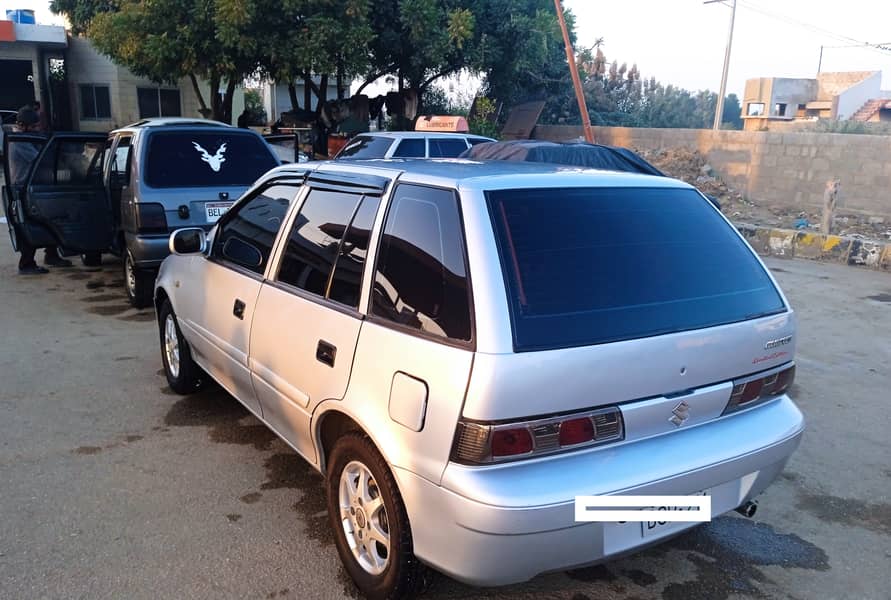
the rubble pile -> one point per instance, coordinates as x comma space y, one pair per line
692, 167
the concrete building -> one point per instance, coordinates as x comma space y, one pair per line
105, 95
277, 100
836, 96
82, 89
25, 54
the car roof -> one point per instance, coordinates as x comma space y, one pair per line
398, 135
173, 121
483, 174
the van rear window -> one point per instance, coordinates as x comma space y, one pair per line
206, 159
587, 266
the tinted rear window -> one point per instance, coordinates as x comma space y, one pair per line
206, 159
366, 147
587, 266
442, 148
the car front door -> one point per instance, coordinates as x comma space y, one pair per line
307, 320
217, 301
63, 200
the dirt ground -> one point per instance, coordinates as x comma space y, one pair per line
692, 167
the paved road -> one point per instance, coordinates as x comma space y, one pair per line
113, 487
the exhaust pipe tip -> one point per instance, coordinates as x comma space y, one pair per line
748, 509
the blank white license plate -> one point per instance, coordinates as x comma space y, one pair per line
650, 528
215, 210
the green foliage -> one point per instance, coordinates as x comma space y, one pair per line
253, 105
483, 120
617, 95
731, 118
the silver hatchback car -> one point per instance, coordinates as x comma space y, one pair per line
462, 348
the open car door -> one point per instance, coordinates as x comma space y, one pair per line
63, 200
20, 151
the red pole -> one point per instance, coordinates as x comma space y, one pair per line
573, 70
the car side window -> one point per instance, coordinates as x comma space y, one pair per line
246, 237
71, 162
444, 148
421, 276
120, 163
411, 148
322, 242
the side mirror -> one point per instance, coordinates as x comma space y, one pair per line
190, 240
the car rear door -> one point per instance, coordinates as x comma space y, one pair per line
65, 193
20, 152
307, 320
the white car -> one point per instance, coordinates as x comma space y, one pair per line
408, 144
463, 348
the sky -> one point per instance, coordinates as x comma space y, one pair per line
682, 42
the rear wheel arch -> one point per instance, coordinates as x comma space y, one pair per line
333, 424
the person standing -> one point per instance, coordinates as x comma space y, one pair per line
21, 157
42, 118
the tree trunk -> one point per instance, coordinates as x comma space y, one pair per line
830, 196
307, 91
339, 78
227, 101
292, 94
323, 94
215, 105
203, 110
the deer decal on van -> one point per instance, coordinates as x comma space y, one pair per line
214, 161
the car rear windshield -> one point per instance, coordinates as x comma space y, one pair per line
366, 146
587, 266
206, 159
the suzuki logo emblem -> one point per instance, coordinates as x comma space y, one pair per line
680, 414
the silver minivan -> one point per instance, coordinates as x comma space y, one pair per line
463, 348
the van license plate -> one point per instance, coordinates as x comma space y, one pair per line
651, 528
215, 210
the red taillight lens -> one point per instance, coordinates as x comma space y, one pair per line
749, 392
752, 391
576, 431
150, 217
510, 442
484, 443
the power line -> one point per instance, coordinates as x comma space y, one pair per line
883, 48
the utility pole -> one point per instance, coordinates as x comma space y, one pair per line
573, 70
719, 110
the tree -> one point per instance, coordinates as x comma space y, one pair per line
225, 40
732, 117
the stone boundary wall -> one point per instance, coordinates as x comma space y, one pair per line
772, 167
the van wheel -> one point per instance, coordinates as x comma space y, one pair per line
91, 259
371, 528
138, 283
183, 374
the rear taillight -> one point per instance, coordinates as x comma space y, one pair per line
150, 218
482, 443
754, 390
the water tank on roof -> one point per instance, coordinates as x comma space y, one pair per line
21, 15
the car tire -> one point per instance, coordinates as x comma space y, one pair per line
379, 571
183, 375
138, 282
91, 259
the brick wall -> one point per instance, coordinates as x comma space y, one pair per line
772, 166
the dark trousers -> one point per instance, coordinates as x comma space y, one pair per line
26, 260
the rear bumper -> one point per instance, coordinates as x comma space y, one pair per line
506, 524
149, 250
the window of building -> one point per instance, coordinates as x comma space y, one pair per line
755, 109
246, 238
779, 109
421, 277
95, 101
157, 102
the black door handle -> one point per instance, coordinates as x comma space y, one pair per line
238, 309
325, 353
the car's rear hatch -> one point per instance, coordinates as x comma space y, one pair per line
638, 297
198, 173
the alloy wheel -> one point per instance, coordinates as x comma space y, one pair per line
363, 516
